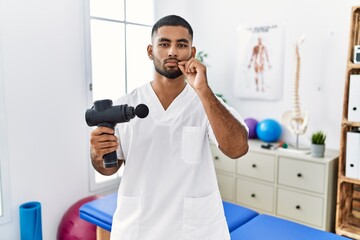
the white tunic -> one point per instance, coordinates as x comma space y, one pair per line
169, 189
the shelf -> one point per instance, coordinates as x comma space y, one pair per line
348, 192
349, 231
348, 210
352, 65
350, 124
342, 179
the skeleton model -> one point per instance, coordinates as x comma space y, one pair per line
296, 120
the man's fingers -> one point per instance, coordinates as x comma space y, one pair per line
188, 66
103, 139
98, 154
101, 148
103, 145
102, 134
102, 130
181, 66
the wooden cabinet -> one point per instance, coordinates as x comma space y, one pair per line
348, 193
255, 195
226, 176
293, 186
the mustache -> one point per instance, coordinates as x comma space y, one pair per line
176, 60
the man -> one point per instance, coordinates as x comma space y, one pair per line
258, 56
169, 189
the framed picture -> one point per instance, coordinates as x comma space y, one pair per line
259, 62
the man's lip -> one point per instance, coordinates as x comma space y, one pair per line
171, 63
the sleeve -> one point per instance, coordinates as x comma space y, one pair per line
234, 113
119, 151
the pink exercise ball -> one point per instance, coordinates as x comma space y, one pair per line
72, 227
251, 123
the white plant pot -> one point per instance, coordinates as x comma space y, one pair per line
317, 150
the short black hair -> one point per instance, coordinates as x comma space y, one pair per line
172, 20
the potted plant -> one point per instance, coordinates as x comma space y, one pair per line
318, 144
201, 57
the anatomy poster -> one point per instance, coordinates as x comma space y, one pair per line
259, 62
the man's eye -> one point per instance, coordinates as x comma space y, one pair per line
182, 45
163, 44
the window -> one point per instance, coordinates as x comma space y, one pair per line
118, 32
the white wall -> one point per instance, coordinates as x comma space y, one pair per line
44, 73
326, 27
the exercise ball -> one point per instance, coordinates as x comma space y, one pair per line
72, 227
251, 123
268, 130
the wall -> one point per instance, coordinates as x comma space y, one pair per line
325, 25
44, 81
44, 74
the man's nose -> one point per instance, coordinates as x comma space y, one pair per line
173, 52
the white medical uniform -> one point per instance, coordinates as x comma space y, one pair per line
169, 188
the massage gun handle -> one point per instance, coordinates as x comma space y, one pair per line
110, 159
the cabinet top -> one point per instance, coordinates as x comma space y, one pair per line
255, 146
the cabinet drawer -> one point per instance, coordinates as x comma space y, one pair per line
226, 187
221, 161
260, 166
300, 207
300, 174
255, 195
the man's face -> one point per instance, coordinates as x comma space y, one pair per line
170, 45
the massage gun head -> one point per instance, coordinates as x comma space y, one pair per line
104, 113
141, 111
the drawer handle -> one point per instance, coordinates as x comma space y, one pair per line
298, 207
216, 158
253, 195
299, 175
254, 165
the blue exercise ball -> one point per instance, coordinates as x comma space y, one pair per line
268, 130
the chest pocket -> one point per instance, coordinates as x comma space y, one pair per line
193, 139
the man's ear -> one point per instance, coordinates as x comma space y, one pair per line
150, 51
193, 52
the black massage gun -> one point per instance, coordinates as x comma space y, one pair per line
104, 114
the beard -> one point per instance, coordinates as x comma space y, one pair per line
169, 74
172, 73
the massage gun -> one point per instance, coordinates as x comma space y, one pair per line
104, 114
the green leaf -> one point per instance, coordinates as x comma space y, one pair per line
318, 137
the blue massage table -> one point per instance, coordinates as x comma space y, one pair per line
100, 212
244, 223
273, 228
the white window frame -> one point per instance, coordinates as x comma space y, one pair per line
108, 185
